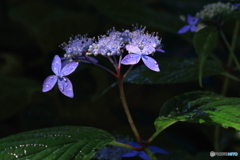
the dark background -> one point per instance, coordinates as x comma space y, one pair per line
30, 34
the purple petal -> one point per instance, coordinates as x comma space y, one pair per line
65, 86
184, 29
66, 61
160, 50
69, 68
143, 155
150, 63
156, 149
130, 154
131, 59
193, 28
189, 19
134, 144
237, 4
56, 64
195, 21
148, 49
49, 83
133, 49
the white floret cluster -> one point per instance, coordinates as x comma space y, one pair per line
213, 10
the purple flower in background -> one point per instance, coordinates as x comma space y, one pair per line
138, 54
237, 5
64, 84
192, 22
142, 154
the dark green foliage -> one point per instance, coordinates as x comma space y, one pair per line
77, 143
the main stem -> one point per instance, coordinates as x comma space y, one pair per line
128, 114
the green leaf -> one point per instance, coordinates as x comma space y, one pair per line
58, 143
205, 41
201, 107
173, 70
163, 122
15, 94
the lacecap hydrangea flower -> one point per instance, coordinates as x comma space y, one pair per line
137, 43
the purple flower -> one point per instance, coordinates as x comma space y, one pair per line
77, 46
138, 54
237, 5
108, 45
142, 154
192, 22
110, 152
64, 84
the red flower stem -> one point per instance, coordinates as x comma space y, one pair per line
125, 106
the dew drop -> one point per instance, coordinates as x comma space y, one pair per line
56, 150
15, 155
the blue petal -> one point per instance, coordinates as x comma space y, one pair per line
237, 5
49, 83
143, 155
130, 154
193, 28
160, 50
134, 144
156, 149
65, 86
150, 63
69, 68
192, 20
195, 21
148, 49
133, 49
184, 29
56, 64
189, 19
131, 59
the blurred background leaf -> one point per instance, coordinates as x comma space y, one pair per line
15, 95
173, 70
36, 18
